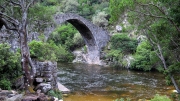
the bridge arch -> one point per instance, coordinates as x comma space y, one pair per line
95, 37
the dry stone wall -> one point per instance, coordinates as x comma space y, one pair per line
45, 76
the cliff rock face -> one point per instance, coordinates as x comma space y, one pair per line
9, 37
12, 37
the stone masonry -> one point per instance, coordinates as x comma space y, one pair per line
95, 37
46, 76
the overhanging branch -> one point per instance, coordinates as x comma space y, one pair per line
6, 25
2, 15
14, 3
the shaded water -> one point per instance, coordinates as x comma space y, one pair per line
97, 83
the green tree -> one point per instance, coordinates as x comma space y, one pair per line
123, 43
17, 21
157, 20
14, 15
144, 58
69, 6
118, 7
10, 67
63, 35
43, 51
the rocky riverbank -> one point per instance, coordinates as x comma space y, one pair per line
11, 95
45, 82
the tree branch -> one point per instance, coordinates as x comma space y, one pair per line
6, 25
29, 4
151, 15
2, 15
14, 3
163, 12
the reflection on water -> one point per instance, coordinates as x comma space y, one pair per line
97, 83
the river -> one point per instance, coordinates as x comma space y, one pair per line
98, 83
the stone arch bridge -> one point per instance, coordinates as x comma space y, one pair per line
95, 37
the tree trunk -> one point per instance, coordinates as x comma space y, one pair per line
28, 72
25, 59
165, 67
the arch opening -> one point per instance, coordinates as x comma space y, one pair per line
84, 31
94, 37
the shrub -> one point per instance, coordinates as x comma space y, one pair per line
9, 66
123, 43
63, 35
5, 84
49, 2
100, 19
78, 40
63, 55
55, 93
69, 6
116, 57
160, 98
42, 51
142, 58
49, 51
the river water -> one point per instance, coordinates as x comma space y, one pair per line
97, 83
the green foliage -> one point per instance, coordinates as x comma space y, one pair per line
116, 57
50, 2
67, 36
160, 98
175, 96
42, 51
40, 15
9, 66
117, 8
78, 40
5, 84
63, 55
174, 70
100, 19
63, 35
123, 43
55, 93
88, 8
144, 58
69, 6
49, 51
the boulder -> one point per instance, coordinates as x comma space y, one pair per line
17, 97
5, 93
39, 80
30, 98
2, 98
118, 28
44, 87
